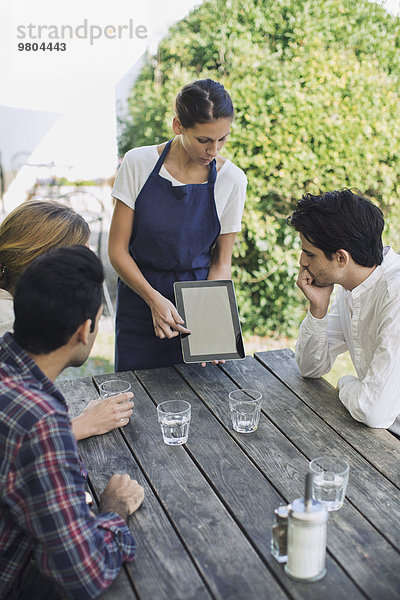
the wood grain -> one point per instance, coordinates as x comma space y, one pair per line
120, 589
204, 528
224, 557
244, 490
378, 446
368, 490
159, 549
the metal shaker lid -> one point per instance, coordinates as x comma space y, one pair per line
282, 512
314, 512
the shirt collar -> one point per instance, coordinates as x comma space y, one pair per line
388, 257
27, 369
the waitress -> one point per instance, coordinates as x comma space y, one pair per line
178, 208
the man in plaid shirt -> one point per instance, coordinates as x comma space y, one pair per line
51, 545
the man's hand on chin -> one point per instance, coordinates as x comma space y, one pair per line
318, 296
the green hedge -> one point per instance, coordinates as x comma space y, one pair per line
315, 84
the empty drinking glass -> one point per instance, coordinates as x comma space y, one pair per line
245, 407
174, 418
114, 387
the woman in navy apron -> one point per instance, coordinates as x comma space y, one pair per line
173, 232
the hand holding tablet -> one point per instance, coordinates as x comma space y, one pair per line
210, 311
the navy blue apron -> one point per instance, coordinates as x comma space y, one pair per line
174, 231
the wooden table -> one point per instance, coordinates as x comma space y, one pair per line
205, 525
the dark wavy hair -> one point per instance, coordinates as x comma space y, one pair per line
55, 294
203, 101
342, 219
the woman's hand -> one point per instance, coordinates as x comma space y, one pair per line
167, 321
102, 415
214, 362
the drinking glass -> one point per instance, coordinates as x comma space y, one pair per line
330, 477
174, 418
114, 387
245, 407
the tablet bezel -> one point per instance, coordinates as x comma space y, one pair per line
180, 305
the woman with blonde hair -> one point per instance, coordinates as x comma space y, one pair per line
28, 231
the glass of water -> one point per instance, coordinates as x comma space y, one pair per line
245, 407
330, 477
174, 418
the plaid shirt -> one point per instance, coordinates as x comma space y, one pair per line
43, 512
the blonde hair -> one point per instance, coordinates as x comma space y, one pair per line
32, 229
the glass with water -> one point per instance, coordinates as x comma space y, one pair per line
245, 407
174, 418
330, 477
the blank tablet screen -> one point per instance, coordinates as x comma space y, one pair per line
209, 310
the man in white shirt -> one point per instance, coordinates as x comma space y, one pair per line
340, 234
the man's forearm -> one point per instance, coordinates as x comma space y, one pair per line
312, 348
375, 404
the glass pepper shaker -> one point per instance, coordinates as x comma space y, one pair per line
279, 534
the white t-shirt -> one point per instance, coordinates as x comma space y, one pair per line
229, 190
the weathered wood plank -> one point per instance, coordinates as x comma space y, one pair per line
368, 489
223, 555
78, 393
378, 446
243, 489
120, 589
307, 432
159, 550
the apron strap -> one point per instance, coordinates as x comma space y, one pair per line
212, 175
162, 156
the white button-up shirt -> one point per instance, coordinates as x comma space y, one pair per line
365, 321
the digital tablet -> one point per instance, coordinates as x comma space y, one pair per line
209, 310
